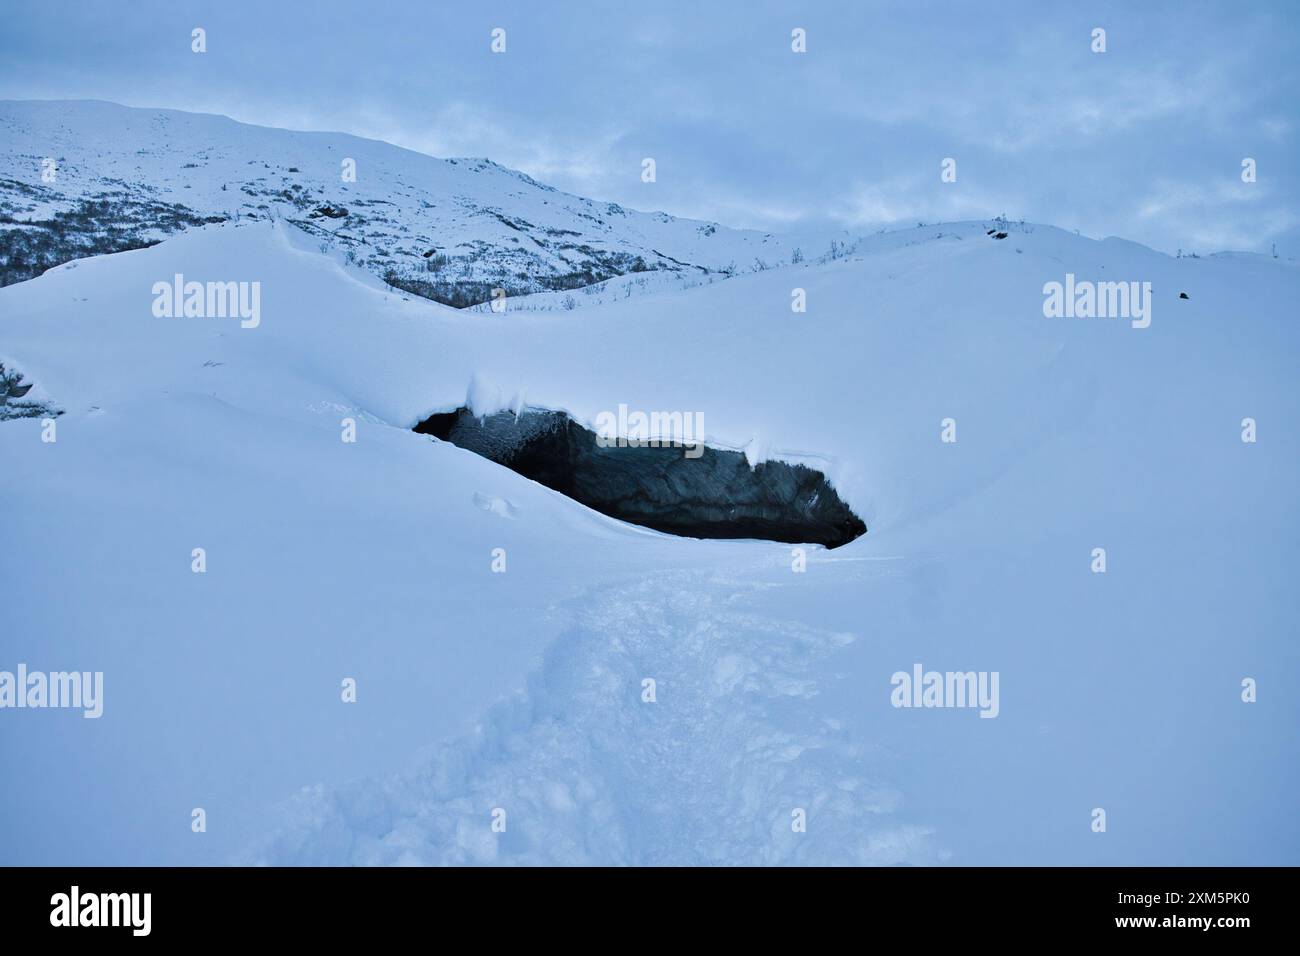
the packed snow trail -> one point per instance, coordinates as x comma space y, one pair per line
588, 772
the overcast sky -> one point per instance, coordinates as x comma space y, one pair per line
1144, 141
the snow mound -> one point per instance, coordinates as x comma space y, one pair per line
512, 654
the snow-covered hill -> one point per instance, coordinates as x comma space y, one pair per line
523, 690
80, 178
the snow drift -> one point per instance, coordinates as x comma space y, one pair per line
625, 696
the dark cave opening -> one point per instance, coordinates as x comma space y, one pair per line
710, 493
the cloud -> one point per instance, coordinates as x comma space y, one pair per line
745, 131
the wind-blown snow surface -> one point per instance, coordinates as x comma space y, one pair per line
522, 690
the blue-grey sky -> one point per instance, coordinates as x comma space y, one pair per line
1143, 141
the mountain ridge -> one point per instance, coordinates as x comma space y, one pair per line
82, 177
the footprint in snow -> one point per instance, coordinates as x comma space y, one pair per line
494, 505
593, 775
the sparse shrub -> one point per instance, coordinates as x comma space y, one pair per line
100, 225
12, 401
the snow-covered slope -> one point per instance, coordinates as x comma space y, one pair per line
77, 178
523, 691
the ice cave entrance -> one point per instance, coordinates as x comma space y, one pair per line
716, 494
